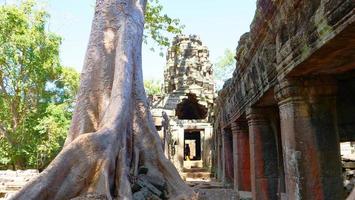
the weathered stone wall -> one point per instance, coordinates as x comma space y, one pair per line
187, 102
298, 60
188, 71
188, 64
12, 181
283, 35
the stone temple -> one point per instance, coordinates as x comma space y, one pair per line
183, 115
275, 130
291, 101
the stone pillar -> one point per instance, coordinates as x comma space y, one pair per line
227, 149
263, 156
241, 155
165, 125
223, 152
309, 138
219, 169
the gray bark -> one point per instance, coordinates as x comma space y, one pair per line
352, 195
112, 131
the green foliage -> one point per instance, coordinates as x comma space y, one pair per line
66, 86
158, 25
36, 93
152, 87
52, 128
223, 69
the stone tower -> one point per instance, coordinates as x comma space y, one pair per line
188, 75
188, 64
183, 115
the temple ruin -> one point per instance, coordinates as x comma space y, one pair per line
183, 115
281, 118
275, 129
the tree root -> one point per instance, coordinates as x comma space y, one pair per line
97, 162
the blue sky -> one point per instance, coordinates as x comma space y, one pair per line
219, 23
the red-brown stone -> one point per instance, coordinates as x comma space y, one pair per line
228, 156
263, 156
241, 156
310, 140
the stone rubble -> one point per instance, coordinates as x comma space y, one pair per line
144, 187
348, 174
12, 181
91, 196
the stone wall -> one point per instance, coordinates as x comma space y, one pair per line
187, 103
283, 35
188, 71
290, 101
12, 181
188, 64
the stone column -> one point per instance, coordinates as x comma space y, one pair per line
180, 148
241, 153
263, 156
165, 125
223, 133
219, 157
309, 138
227, 156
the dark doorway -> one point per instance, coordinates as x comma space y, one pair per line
192, 144
190, 109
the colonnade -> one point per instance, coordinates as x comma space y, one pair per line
287, 149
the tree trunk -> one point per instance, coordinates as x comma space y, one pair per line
112, 131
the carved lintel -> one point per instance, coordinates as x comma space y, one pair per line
256, 115
241, 125
305, 89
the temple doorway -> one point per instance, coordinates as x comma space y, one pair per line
192, 144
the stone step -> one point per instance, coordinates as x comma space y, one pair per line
206, 185
217, 194
349, 165
244, 195
195, 169
196, 175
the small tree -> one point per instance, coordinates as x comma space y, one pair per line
223, 69
153, 87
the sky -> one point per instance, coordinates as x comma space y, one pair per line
219, 23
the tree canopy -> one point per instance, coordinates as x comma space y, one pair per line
158, 26
35, 89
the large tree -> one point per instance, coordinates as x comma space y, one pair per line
112, 132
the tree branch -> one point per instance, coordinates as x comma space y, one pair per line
5, 134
